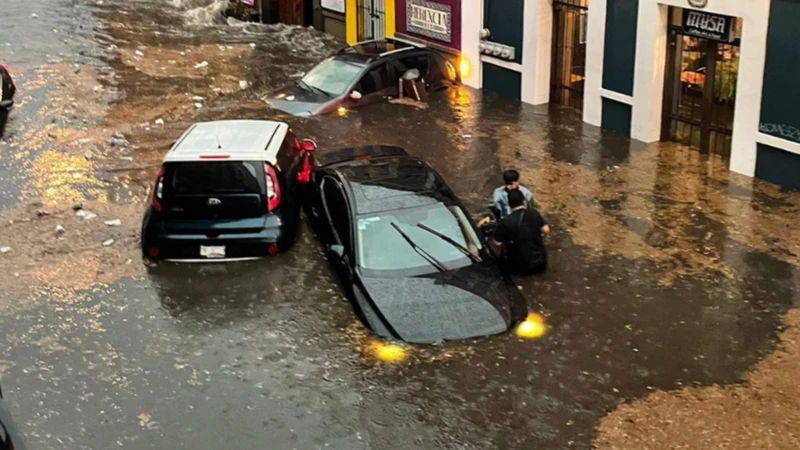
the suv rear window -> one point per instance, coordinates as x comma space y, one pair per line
216, 178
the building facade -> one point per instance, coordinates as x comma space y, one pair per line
719, 75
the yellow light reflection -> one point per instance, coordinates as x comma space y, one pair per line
464, 67
60, 179
341, 111
533, 327
387, 352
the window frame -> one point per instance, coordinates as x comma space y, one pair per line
348, 246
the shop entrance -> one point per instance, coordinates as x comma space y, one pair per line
700, 85
371, 22
570, 20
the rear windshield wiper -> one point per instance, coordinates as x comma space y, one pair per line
433, 261
450, 241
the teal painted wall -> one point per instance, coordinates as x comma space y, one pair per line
502, 81
503, 18
780, 100
617, 117
778, 166
620, 45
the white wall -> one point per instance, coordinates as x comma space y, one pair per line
471, 24
537, 45
595, 49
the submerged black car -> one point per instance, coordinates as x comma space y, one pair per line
361, 74
9, 437
7, 91
406, 251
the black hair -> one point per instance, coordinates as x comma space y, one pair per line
510, 176
515, 198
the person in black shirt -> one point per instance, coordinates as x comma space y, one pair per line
520, 236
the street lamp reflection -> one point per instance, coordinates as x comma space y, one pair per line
464, 67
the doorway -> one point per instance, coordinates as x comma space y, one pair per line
371, 22
700, 88
294, 12
570, 24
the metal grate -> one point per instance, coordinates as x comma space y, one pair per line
371, 21
570, 21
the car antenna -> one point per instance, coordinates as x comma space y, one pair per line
219, 146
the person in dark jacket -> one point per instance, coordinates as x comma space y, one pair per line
520, 236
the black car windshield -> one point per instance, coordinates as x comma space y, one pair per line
332, 76
382, 251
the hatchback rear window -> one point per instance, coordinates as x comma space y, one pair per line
217, 178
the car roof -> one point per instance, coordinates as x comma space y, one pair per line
368, 51
350, 154
229, 140
387, 183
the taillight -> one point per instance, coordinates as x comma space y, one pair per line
5, 66
158, 191
304, 176
273, 188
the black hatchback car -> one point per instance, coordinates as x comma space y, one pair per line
228, 190
361, 74
406, 251
7, 91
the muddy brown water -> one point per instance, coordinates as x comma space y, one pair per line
666, 271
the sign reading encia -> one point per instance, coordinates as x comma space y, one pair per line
706, 25
429, 19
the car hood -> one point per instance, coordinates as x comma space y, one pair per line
453, 305
295, 100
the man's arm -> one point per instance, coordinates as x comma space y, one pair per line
497, 203
543, 226
499, 235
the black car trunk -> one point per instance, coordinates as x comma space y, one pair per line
214, 190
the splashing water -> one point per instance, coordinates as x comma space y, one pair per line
203, 12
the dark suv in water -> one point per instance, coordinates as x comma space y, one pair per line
361, 74
228, 190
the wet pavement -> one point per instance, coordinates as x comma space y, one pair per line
666, 271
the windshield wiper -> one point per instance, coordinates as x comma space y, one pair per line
305, 85
450, 241
433, 261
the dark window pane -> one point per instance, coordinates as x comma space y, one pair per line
375, 80
199, 178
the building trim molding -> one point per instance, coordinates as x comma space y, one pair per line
501, 63
617, 97
780, 144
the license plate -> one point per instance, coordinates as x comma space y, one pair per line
212, 251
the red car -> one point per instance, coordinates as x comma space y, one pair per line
7, 91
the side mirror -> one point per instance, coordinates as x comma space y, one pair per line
412, 74
355, 96
308, 145
338, 251
7, 104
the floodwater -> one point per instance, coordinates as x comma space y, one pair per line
666, 270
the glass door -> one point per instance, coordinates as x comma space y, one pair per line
570, 25
700, 92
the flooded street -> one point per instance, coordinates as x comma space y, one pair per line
668, 274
